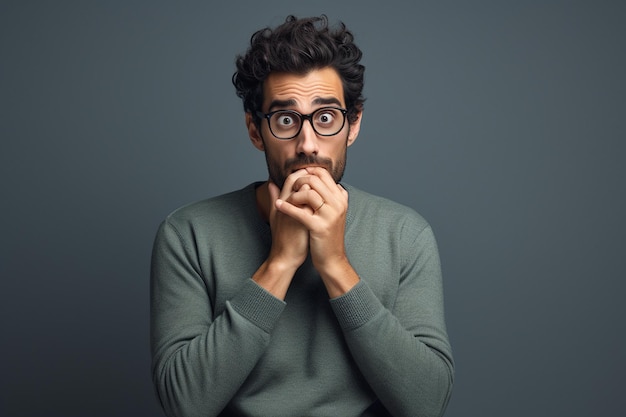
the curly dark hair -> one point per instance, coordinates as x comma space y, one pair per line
299, 46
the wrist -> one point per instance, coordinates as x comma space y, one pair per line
338, 276
283, 264
275, 277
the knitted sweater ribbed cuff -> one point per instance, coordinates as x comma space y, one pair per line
356, 307
257, 305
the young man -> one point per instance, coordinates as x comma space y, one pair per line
299, 296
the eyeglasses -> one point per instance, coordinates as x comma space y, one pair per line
287, 124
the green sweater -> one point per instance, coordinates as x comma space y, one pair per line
223, 346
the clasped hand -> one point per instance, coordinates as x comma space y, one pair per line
309, 214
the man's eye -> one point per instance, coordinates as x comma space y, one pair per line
285, 120
326, 118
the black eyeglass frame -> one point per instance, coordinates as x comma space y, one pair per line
302, 118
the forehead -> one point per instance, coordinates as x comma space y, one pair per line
302, 89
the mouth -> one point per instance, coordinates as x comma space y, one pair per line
298, 168
308, 161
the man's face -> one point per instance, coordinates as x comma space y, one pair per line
304, 94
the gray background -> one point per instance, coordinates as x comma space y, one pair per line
501, 122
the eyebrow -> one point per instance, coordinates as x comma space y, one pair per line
291, 102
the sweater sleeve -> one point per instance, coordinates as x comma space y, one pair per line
403, 352
198, 360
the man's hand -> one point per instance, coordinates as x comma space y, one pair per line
319, 204
290, 241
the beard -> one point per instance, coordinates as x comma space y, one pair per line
278, 174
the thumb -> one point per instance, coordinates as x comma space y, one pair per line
274, 191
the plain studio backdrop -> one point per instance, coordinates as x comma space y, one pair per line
501, 122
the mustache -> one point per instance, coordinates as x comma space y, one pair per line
308, 160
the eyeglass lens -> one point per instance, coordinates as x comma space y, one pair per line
326, 121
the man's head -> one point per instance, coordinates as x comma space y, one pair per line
302, 66
299, 46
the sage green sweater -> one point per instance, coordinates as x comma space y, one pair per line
223, 346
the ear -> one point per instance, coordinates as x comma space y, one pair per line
355, 128
254, 133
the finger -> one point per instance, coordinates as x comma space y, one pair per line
274, 191
326, 177
322, 181
322, 173
274, 196
327, 188
288, 186
303, 215
278, 195
306, 197
311, 181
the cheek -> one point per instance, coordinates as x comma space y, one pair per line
336, 149
275, 154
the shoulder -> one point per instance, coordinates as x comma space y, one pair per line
382, 211
215, 210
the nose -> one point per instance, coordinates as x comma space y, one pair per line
306, 141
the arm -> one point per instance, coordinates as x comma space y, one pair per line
199, 361
404, 354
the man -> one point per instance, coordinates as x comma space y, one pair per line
299, 296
